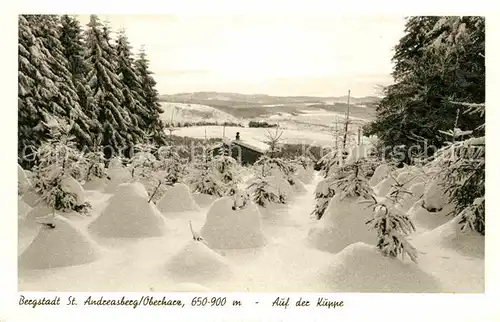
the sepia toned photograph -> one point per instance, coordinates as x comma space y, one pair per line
251, 153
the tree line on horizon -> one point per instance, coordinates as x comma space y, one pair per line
85, 78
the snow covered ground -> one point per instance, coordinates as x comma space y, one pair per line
258, 134
287, 262
182, 112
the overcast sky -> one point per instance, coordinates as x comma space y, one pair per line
276, 55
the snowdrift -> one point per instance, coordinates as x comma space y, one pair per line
380, 174
22, 208
226, 228
281, 187
196, 262
129, 215
343, 223
118, 175
177, 199
22, 180
305, 175
362, 268
421, 217
31, 198
71, 186
30, 219
435, 196
204, 200
63, 245
449, 235
408, 201
298, 186
384, 187
98, 184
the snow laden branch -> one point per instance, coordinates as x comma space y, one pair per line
59, 169
392, 227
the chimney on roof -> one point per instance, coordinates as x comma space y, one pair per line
237, 135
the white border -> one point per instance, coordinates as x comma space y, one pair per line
358, 307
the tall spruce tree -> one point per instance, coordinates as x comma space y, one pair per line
106, 88
134, 102
438, 61
46, 88
35, 89
154, 125
71, 37
48, 29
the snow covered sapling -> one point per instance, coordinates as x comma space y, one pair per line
262, 193
330, 163
398, 191
303, 161
268, 164
472, 217
273, 140
462, 165
143, 162
226, 168
324, 192
95, 165
203, 178
392, 227
170, 161
240, 199
351, 180
59, 163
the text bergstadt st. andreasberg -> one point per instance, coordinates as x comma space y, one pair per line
101, 301
152, 301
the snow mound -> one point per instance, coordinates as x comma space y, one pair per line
31, 198
71, 186
298, 186
98, 184
383, 188
177, 199
380, 174
281, 187
450, 235
204, 200
362, 268
22, 179
22, 208
343, 223
426, 219
118, 175
405, 177
129, 215
226, 228
408, 201
30, 220
132, 189
63, 245
418, 190
305, 175
435, 196
196, 261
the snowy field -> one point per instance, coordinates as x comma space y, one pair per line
181, 112
284, 260
313, 122
257, 134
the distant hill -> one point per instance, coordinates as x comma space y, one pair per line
244, 106
263, 99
